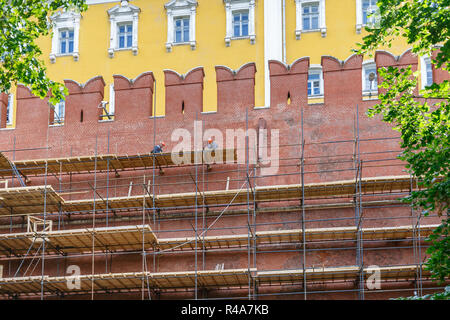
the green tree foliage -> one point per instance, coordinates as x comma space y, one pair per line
422, 120
22, 22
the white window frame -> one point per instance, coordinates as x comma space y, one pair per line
424, 60
57, 119
232, 6
10, 109
369, 64
359, 16
112, 100
124, 13
299, 18
179, 9
316, 69
65, 20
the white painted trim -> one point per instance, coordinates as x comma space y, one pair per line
423, 70
10, 109
368, 64
208, 112
65, 20
112, 100
176, 9
90, 2
239, 5
359, 16
299, 17
317, 69
123, 13
273, 41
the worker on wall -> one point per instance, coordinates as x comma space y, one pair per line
209, 158
159, 147
212, 145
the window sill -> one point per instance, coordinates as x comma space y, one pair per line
56, 125
370, 96
7, 128
70, 54
323, 32
310, 30
106, 120
229, 39
111, 51
316, 99
53, 56
360, 27
169, 45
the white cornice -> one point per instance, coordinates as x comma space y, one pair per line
180, 4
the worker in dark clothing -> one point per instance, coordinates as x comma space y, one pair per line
159, 147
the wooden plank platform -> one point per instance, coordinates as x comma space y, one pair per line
346, 188
130, 238
205, 279
293, 236
5, 166
279, 277
80, 240
268, 193
107, 162
29, 200
326, 274
400, 232
133, 280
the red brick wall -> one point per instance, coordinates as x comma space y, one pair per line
133, 131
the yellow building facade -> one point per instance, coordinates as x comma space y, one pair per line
276, 31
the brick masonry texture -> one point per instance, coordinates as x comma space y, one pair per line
134, 131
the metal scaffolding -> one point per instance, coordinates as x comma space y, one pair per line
110, 209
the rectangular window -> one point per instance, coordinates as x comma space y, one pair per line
429, 71
66, 40
370, 85
112, 100
366, 6
240, 24
182, 30
9, 110
59, 112
311, 16
125, 36
314, 84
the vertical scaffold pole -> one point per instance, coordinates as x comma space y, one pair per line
248, 207
93, 217
196, 210
302, 160
358, 210
45, 211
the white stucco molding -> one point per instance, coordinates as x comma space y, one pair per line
240, 5
299, 17
65, 20
125, 12
424, 60
180, 8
